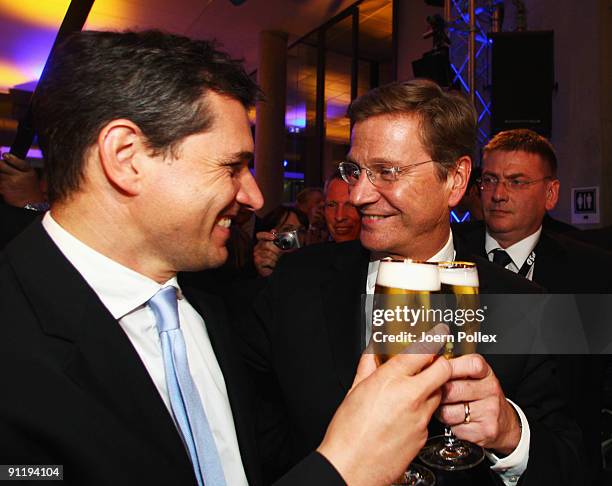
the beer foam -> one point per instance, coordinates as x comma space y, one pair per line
409, 276
467, 277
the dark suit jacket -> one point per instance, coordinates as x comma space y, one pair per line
562, 265
556, 226
601, 237
13, 221
566, 266
76, 393
304, 343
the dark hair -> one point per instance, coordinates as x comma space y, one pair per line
154, 79
333, 176
447, 119
474, 176
278, 216
524, 140
303, 196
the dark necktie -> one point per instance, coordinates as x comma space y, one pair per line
501, 258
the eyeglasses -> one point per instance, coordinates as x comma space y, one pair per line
489, 183
379, 175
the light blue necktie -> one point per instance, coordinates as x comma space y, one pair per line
184, 398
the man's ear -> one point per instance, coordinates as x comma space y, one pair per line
458, 179
120, 147
552, 194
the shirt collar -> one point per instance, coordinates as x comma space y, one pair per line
519, 251
120, 289
446, 254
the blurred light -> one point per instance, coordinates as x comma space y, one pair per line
50, 13
294, 175
285, 163
32, 153
455, 219
295, 117
10, 75
31, 26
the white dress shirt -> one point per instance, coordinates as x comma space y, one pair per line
125, 293
518, 252
512, 466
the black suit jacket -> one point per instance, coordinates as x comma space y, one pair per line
566, 266
562, 265
76, 392
601, 237
304, 342
13, 221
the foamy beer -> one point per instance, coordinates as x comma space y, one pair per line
461, 279
402, 283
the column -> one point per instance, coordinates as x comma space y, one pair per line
270, 121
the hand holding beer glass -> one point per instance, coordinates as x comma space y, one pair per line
416, 283
411, 284
447, 452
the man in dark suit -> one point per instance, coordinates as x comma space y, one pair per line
408, 164
518, 187
13, 221
109, 366
601, 237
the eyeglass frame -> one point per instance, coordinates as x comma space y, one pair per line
397, 171
519, 185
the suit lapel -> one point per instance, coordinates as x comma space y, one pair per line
470, 248
469, 243
104, 363
341, 293
547, 269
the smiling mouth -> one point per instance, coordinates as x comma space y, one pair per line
373, 217
225, 222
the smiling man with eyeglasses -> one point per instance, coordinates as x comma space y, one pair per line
408, 164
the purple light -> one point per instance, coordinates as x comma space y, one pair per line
32, 153
335, 110
27, 48
295, 117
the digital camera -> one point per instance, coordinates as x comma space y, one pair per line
287, 240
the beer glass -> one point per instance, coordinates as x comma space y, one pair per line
414, 282
447, 452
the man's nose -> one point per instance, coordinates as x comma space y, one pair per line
363, 192
249, 194
500, 192
340, 212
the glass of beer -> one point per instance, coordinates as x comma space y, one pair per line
409, 283
459, 279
